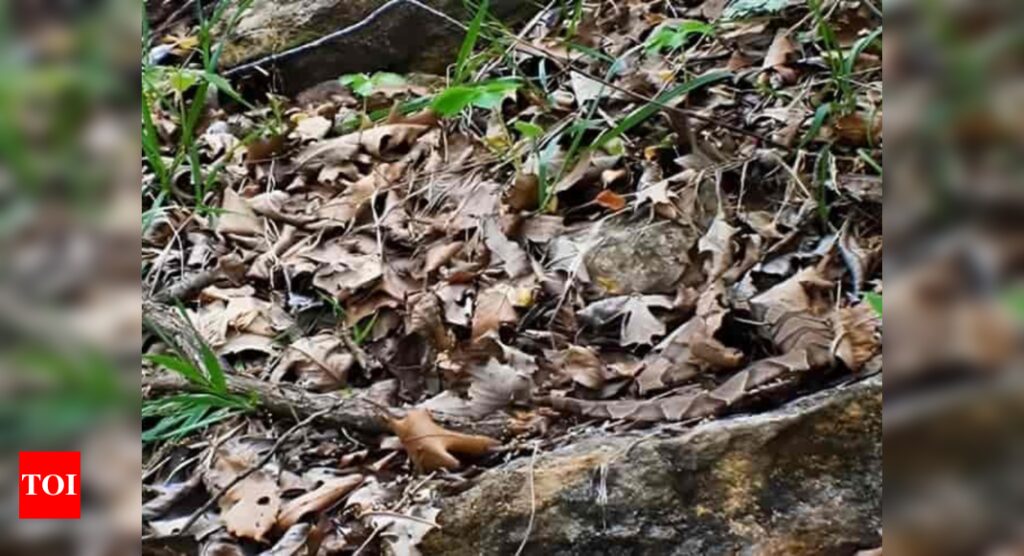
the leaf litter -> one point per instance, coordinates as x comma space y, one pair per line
644, 217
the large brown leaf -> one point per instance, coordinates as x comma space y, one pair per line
330, 492
432, 447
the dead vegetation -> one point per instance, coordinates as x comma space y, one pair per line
621, 214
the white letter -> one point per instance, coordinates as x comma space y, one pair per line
46, 481
71, 485
31, 483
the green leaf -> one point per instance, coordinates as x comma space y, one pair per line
453, 100
528, 130
875, 300
487, 95
182, 80
674, 37
859, 47
180, 366
218, 380
225, 87
360, 83
387, 79
638, 116
820, 116
469, 43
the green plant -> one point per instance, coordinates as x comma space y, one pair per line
361, 332
841, 65
641, 114
211, 402
182, 91
824, 177
875, 300
487, 95
364, 85
181, 414
673, 37
462, 63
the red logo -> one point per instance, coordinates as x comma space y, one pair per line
49, 485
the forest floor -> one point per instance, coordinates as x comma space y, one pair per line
616, 216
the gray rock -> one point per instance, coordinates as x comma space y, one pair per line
802, 480
640, 258
401, 37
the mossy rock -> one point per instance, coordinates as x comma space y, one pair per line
805, 479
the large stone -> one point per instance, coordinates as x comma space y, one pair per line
402, 38
802, 480
640, 257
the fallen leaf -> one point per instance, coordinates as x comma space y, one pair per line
587, 89
584, 367
291, 543
325, 496
321, 363
440, 254
237, 216
313, 128
495, 386
516, 261
611, 200
431, 447
495, 306
781, 52
402, 533
691, 349
640, 325
717, 244
250, 507
524, 193
857, 335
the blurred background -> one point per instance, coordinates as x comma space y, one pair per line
954, 229
69, 263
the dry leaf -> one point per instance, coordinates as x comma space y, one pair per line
524, 193
717, 244
583, 365
517, 263
781, 52
610, 200
440, 254
402, 534
640, 325
431, 447
857, 335
312, 128
237, 216
330, 492
251, 506
691, 349
495, 386
495, 306
321, 362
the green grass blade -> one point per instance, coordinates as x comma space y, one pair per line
469, 43
180, 366
644, 112
820, 116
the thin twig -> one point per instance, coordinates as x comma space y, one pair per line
259, 465
533, 501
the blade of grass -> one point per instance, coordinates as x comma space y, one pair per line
469, 43
641, 114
